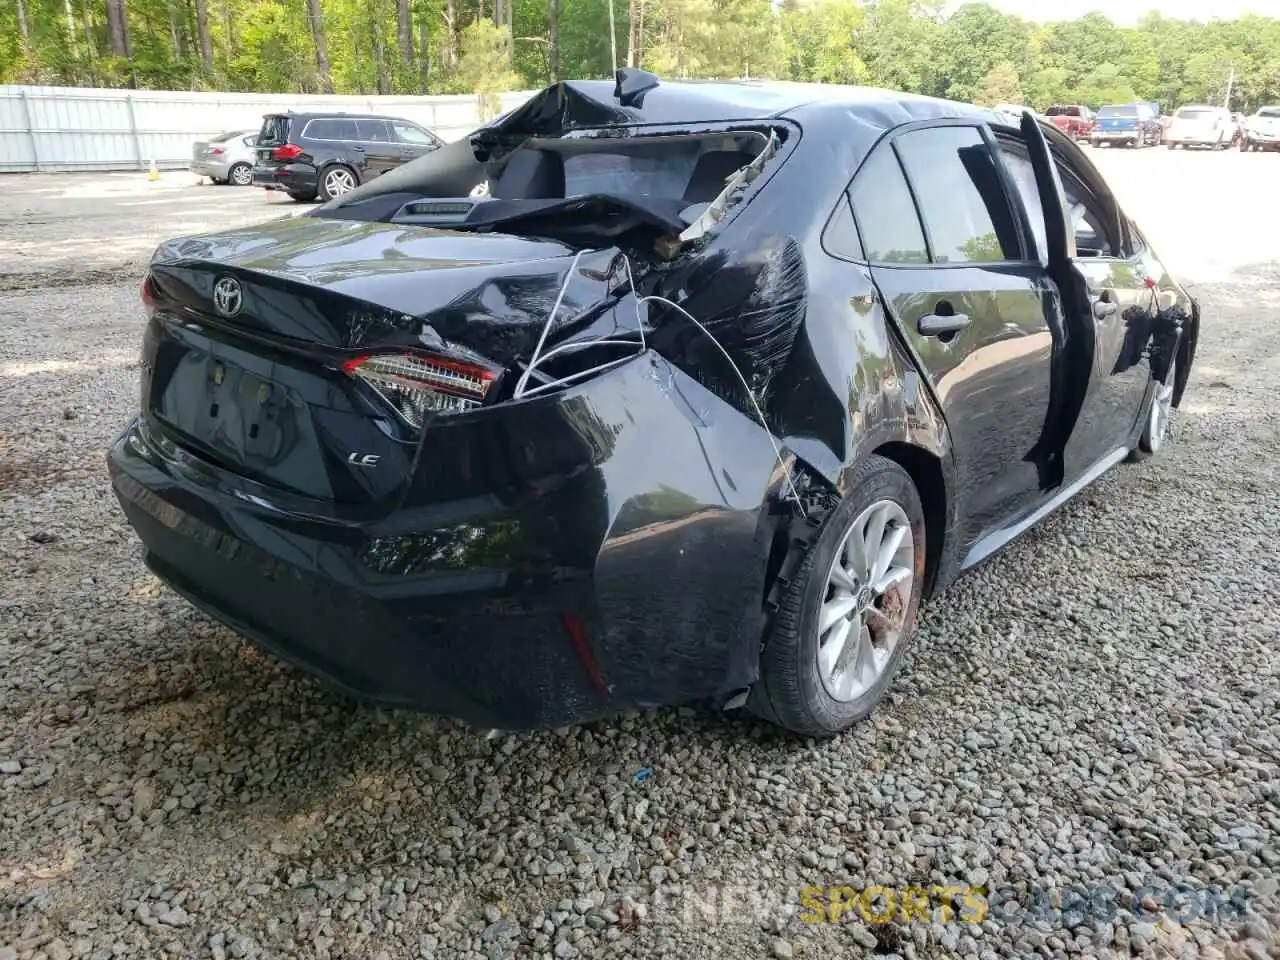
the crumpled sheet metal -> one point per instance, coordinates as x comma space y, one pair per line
752, 299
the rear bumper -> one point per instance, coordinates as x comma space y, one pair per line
293, 177
1114, 136
445, 608
210, 168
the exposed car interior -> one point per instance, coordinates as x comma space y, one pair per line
662, 181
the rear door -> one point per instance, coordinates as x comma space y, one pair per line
946, 251
1109, 306
381, 152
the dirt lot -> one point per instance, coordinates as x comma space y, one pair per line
1089, 721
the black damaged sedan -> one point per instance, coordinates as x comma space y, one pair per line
647, 392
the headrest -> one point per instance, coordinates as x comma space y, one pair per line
530, 175
710, 173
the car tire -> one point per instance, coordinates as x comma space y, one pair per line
335, 180
240, 175
1159, 414
1244, 145
820, 694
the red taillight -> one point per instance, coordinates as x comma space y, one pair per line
148, 295
217, 151
419, 384
286, 152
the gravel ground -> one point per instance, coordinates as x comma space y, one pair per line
1094, 710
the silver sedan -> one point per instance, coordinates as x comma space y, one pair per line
226, 158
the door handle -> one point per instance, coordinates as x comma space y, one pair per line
356, 149
939, 325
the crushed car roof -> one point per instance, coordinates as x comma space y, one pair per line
594, 103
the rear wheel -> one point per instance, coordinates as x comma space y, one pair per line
335, 181
241, 174
846, 615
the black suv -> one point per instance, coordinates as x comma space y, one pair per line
326, 154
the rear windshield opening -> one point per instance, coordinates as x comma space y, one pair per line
224, 137
1193, 113
1273, 112
688, 168
1062, 112
1118, 112
274, 130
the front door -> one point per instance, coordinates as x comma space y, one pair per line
413, 141
947, 253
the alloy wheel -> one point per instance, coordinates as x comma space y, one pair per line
868, 595
1161, 411
242, 175
339, 181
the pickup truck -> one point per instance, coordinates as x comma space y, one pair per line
1262, 130
1075, 121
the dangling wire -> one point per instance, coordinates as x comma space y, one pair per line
546, 327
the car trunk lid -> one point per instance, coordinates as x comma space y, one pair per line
1202, 125
282, 354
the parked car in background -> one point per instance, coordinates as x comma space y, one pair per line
324, 155
226, 158
1262, 130
778, 411
1126, 125
1197, 125
1074, 120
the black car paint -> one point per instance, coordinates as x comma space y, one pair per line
560, 558
300, 176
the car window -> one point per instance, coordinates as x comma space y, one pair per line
841, 236
1194, 113
1087, 216
1269, 112
886, 214
1024, 181
275, 129
373, 131
962, 201
657, 169
1121, 111
331, 128
408, 133
251, 140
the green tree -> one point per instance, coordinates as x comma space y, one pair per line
977, 38
484, 67
1000, 85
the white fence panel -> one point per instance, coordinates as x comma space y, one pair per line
75, 128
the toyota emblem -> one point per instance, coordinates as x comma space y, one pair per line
227, 298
